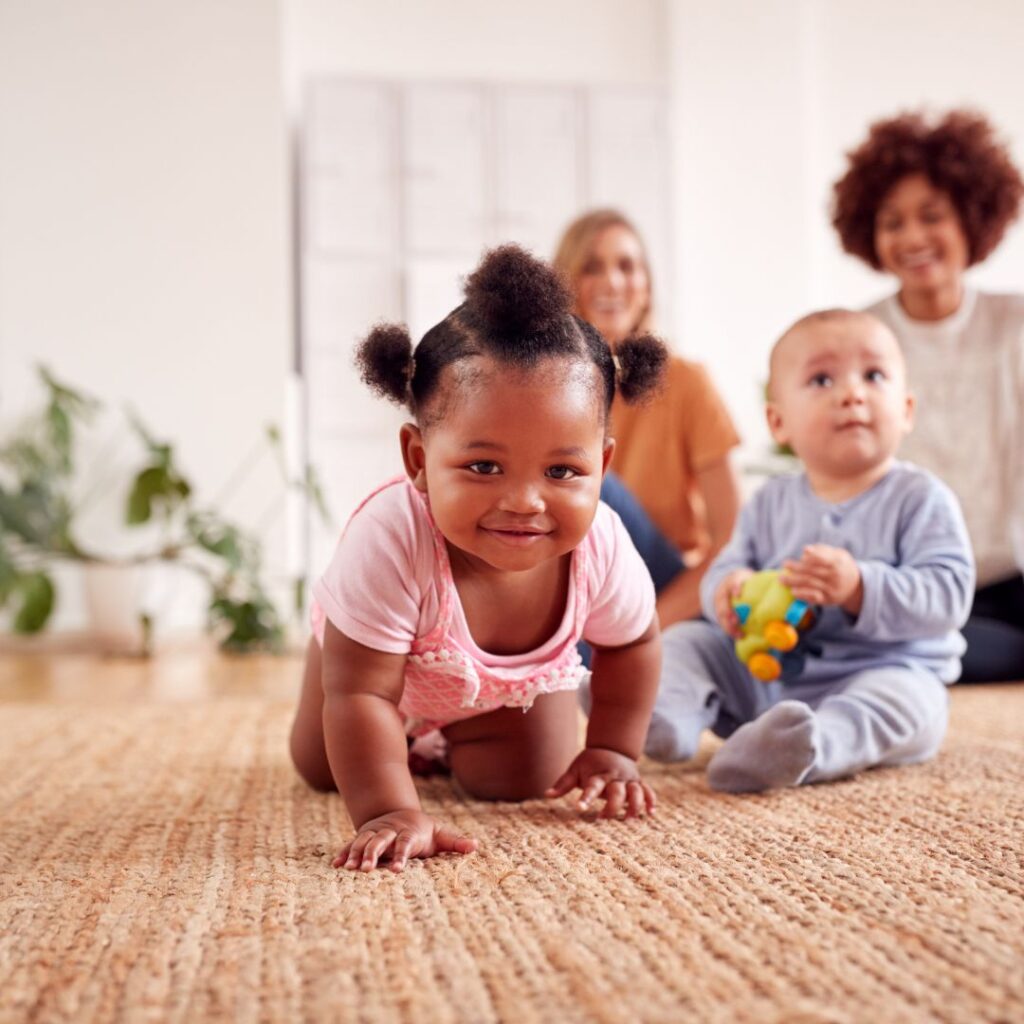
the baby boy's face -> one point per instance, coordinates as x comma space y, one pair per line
838, 395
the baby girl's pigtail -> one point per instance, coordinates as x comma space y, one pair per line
513, 296
640, 367
385, 362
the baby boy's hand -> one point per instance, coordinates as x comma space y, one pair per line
729, 588
398, 836
610, 776
825, 575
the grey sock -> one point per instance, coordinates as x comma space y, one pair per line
685, 707
776, 749
674, 739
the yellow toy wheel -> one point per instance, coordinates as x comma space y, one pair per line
764, 667
781, 635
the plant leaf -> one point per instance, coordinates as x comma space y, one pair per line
77, 403
155, 485
140, 497
8, 574
38, 516
315, 492
36, 594
253, 622
162, 453
60, 433
65, 405
224, 540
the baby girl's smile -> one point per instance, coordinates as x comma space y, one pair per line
521, 535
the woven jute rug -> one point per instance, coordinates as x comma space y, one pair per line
163, 863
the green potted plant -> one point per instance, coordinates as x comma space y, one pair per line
39, 508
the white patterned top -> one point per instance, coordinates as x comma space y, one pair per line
967, 371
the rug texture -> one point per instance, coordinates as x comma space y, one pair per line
163, 863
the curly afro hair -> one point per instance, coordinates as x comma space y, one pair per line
959, 153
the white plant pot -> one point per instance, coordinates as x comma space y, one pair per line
114, 606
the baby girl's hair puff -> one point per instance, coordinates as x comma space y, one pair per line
641, 363
385, 362
513, 296
517, 311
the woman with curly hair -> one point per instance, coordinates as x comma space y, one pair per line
925, 199
674, 485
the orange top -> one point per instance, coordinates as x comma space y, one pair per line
663, 443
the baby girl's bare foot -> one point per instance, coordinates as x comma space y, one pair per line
428, 755
777, 749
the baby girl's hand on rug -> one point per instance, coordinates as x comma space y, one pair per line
610, 776
729, 588
398, 836
826, 575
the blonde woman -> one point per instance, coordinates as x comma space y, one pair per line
673, 485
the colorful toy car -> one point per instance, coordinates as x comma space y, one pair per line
771, 620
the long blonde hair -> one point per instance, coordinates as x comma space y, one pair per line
577, 243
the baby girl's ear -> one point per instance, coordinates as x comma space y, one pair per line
414, 455
606, 455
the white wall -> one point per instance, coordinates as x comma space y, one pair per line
740, 120
144, 211
144, 248
534, 40
766, 99
878, 57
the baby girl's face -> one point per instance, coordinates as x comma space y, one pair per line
513, 466
839, 396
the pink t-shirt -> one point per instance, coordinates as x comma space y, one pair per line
389, 587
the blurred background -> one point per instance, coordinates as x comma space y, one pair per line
204, 203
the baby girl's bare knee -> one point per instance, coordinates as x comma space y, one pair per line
313, 770
494, 778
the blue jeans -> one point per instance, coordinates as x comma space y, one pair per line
995, 634
660, 555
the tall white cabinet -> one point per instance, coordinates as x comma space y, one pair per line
401, 186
